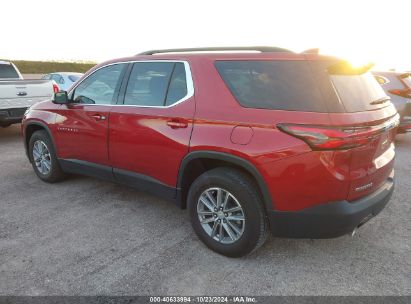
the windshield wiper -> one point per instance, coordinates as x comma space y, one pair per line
380, 100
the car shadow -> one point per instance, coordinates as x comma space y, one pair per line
403, 140
9, 134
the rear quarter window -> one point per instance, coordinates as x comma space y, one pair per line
276, 85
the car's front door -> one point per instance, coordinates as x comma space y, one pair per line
82, 125
150, 131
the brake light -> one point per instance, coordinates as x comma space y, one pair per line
337, 138
56, 88
402, 93
396, 92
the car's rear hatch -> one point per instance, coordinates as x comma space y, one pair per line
341, 112
361, 108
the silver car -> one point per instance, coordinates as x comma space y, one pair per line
63, 79
397, 85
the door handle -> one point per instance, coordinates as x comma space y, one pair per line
177, 123
98, 117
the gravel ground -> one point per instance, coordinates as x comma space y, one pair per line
87, 237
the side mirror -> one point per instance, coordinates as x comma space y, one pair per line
60, 97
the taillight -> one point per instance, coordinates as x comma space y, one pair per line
56, 88
402, 93
337, 138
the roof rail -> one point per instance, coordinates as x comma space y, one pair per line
262, 49
311, 51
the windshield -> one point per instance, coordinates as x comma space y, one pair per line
8, 71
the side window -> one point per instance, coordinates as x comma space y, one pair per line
100, 87
274, 85
178, 84
156, 84
148, 83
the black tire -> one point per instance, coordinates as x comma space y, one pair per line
244, 189
55, 174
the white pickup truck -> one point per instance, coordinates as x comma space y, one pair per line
16, 94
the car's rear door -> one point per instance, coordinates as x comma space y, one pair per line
150, 129
82, 125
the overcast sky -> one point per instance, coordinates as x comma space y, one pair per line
361, 30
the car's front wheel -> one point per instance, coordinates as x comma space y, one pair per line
43, 158
227, 212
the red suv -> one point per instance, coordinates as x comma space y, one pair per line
299, 144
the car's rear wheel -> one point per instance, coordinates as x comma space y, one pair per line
227, 212
43, 158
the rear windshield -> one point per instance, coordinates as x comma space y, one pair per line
310, 86
359, 92
73, 78
8, 71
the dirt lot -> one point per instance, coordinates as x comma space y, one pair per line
85, 236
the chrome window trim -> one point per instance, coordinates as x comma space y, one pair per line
189, 81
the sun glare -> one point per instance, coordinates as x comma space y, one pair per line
361, 31
385, 58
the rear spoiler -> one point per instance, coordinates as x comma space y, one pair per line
345, 68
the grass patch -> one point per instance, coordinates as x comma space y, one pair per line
45, 67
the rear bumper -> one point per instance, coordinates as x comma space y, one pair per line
333, 219
11, 116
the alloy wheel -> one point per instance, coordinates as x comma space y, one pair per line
41, 157
221, 215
